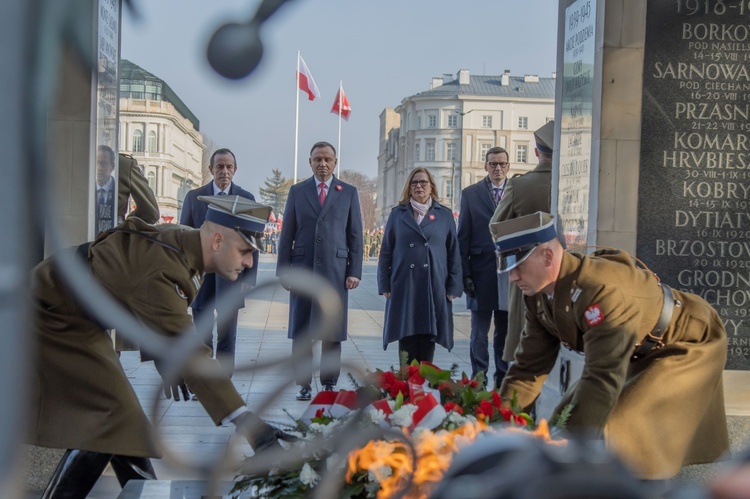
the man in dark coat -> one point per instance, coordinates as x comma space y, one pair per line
82, 399
213, 293
526, 194
486, 290
653, 356
322, 232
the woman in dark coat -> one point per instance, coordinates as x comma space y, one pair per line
419, 270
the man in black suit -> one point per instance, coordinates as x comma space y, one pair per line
479, 265
106, 189
212, 295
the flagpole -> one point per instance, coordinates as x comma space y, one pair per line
296, 121
338, 167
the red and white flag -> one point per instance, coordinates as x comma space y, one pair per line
322, 401
341, 105
429, 413
306, 80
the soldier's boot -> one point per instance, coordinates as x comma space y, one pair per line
76, 474
132, 468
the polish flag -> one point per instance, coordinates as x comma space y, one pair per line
323, 400
341, 105
429, 413
380, 405
272, 218
346, 402
306, 80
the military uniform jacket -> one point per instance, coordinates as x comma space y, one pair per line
420, 265
658, 413
478, 259
132, 184
525, 194
326, 240
83, 399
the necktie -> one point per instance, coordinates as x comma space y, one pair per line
102, 196
222, 193
497, 194
322, 195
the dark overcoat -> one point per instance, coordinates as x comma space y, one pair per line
82, 397
326, 240
193, 215
525, 194
420, 265
658, 413
478, 259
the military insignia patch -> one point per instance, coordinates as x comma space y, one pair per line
576, 292
593, 315
180, 292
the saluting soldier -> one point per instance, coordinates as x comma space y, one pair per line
526, 194
84, 401
653, 356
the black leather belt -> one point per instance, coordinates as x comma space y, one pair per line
653, 339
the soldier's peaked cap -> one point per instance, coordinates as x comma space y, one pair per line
247, 217
516, 239
545, 137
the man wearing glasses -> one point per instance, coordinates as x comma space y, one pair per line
526, 194
486, 294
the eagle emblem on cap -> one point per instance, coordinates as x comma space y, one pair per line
593, 315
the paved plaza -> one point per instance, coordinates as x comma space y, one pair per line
262, 335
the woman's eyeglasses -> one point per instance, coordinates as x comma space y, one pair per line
422, 183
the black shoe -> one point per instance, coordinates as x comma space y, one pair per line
305, 393
328, 387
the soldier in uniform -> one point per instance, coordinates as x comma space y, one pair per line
526, 194
368, 244
83, 400
376, 242
653, 356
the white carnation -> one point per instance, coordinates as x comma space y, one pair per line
308, 476
403, 416
376, 416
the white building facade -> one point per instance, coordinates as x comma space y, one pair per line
161, 132
449, 128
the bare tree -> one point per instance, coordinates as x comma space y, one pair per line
367, 188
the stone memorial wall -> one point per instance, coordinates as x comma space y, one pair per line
694, 186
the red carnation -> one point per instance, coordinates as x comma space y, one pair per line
338, 187
399, 386
496, 401
520, 421
506, 414
451, 406
320, 413
484, 410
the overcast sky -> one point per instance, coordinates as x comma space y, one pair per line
382, 50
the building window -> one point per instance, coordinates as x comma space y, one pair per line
522, 153
452, 121
523, 123
417, 152
450, 151
487, 121
137, 141
449, 188
431, 121
152, 181
483, 148
430, 151
419, 122
151, 141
